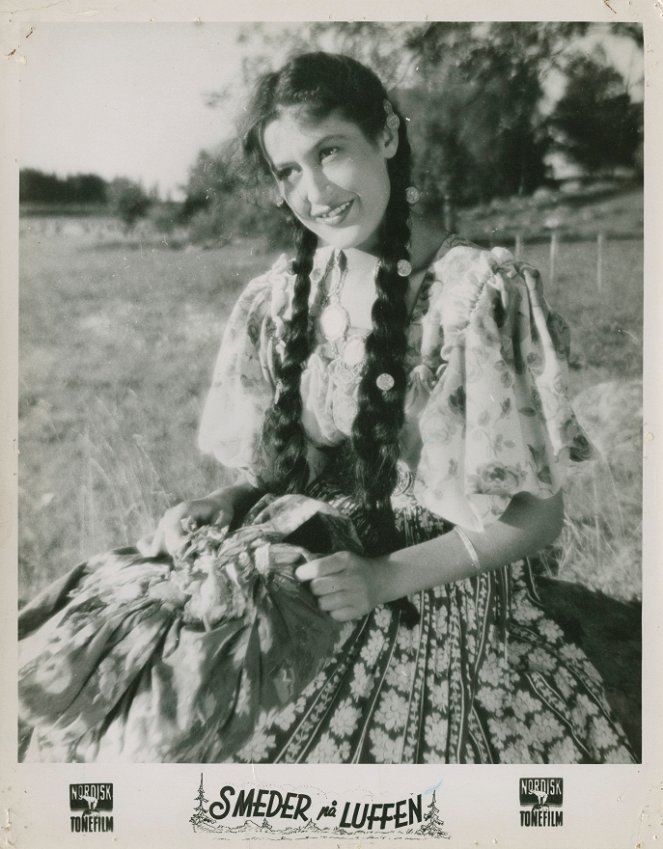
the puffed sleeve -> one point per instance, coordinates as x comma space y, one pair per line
243, 383
498, 421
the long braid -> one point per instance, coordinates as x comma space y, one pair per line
319, 84
283, 431
380, 417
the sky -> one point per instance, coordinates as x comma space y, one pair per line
124, 99
130, 99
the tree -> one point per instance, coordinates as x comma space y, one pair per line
200, 814
432, 825
86, 188
595, 121
473, 94
224, 199
127, 201
486, 82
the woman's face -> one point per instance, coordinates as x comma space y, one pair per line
331, 176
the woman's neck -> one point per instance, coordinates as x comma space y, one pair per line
426, 238
360, 262
358, 288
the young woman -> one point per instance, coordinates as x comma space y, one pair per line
415, 383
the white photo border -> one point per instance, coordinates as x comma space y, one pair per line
605, 806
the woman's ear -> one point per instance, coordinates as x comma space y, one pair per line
389, 141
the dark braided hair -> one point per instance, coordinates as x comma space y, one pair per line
283, 427
319, 84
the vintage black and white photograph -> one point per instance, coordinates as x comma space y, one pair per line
330, 360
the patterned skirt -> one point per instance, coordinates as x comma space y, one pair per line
470, 672
481, 676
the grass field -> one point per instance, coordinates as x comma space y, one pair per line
118, 340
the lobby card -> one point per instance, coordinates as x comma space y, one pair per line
69, 68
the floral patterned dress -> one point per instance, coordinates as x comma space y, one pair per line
482, 675
469, 672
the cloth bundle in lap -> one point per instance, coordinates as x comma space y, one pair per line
152, 659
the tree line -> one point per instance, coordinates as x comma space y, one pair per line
37, 187
477, 100
123, 198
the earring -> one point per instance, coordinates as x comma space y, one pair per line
393, 121
279, 202
412, 195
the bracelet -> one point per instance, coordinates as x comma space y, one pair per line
469, 547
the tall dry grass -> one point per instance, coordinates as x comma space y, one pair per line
117, 346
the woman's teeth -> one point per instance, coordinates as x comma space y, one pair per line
334, 213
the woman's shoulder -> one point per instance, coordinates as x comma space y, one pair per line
266, 296
270, 293
450, 260
459, 260
463, 274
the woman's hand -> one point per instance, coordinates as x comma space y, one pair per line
170, 535
346, 584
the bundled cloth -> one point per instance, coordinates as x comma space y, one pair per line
128, 658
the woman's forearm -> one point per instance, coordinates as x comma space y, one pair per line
239, 496
528, 525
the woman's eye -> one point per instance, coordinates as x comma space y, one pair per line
284, 174
328, 152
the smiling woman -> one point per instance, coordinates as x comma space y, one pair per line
332, 177
394, 398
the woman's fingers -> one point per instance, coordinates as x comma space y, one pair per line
285, 554
329, 584
335, 601
344, 614
171, 535
331, 565
174, 538
149, 545
342, 583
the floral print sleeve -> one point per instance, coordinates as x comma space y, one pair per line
243, 383
498, 421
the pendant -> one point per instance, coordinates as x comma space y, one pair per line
334, 322
405, 478
344, 411
353, 352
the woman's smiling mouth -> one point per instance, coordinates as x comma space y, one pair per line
335, 215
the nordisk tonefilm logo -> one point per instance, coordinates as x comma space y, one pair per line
91, 806
541, 799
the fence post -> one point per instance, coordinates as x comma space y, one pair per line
449, 213
554, 242
600, 248
519, 248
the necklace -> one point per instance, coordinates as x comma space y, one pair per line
334, 319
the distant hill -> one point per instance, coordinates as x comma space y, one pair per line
577, 213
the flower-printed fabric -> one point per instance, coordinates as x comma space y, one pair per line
469, 672
484, 676
487, 413
160, 659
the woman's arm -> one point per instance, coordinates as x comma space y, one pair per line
528, 525
219, 507
349, 586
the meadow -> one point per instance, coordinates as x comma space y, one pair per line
118, 336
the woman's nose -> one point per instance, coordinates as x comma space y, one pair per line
316, 188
